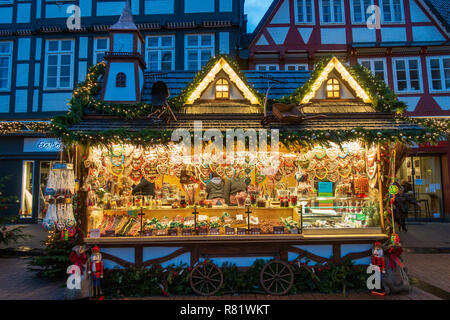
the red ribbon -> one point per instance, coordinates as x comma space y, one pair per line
394, 254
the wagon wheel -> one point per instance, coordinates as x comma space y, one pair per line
277, 278
267, 120
206, 279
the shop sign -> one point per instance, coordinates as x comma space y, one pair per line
41, 145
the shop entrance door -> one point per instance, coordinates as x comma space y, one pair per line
422, 179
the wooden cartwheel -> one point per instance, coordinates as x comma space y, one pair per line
206, 279
277, 277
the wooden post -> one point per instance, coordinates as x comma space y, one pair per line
380, 186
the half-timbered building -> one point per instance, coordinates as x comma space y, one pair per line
404, 42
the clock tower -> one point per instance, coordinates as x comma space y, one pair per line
124, 76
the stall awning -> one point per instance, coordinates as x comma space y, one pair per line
368, 121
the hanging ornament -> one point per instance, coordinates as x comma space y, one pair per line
321, 173
319, 153
117, 150
345, 171
117, 160
136, 163
150, 173
333, 176
343, 153
229, 172
162, 169
135, 175
259, 178
116, 170
220, 170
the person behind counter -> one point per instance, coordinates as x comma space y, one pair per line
145, 188
216, 189
235, 188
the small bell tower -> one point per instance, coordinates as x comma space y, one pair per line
125, 65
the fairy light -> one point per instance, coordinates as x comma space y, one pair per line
221, 65
336, 64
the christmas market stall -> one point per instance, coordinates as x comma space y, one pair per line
300, 169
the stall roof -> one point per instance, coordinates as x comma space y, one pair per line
282, 83
347, 121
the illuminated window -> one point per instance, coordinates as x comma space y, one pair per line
121, 80
333, 88
26, 204
222, 89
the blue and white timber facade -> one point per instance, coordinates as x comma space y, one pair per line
44, 54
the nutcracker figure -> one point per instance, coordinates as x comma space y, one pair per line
378, 260
96, 270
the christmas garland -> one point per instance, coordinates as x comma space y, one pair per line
84, 99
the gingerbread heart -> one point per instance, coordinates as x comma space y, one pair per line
259, 178
162, 169
135, 175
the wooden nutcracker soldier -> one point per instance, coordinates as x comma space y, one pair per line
96, 270
378, 260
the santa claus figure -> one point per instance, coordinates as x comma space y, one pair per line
96, 270
378, 260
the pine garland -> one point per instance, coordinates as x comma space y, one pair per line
84, 100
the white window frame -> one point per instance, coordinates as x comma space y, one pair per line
391, 5
332, 12
98, 51
441, 70
159, 49
313, 16
59, 53
363, 12
372, 66
408, 85
10, 56
267, 66
199, 48
297, 66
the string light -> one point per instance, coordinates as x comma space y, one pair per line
336, 64
221, 65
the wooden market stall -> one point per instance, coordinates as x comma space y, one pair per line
245, 183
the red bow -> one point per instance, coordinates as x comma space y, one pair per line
394, 254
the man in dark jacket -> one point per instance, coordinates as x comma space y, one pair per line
145, 188
401, 208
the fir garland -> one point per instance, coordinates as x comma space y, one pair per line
84, 100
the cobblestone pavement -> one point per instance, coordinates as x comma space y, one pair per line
16, 283
433, 268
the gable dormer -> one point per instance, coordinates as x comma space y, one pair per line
124, 77
335, 90
222, 90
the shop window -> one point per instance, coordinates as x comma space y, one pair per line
26, 203
422, 180
121, 80
333, 89
222, 89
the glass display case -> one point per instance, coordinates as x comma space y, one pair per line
136, 191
